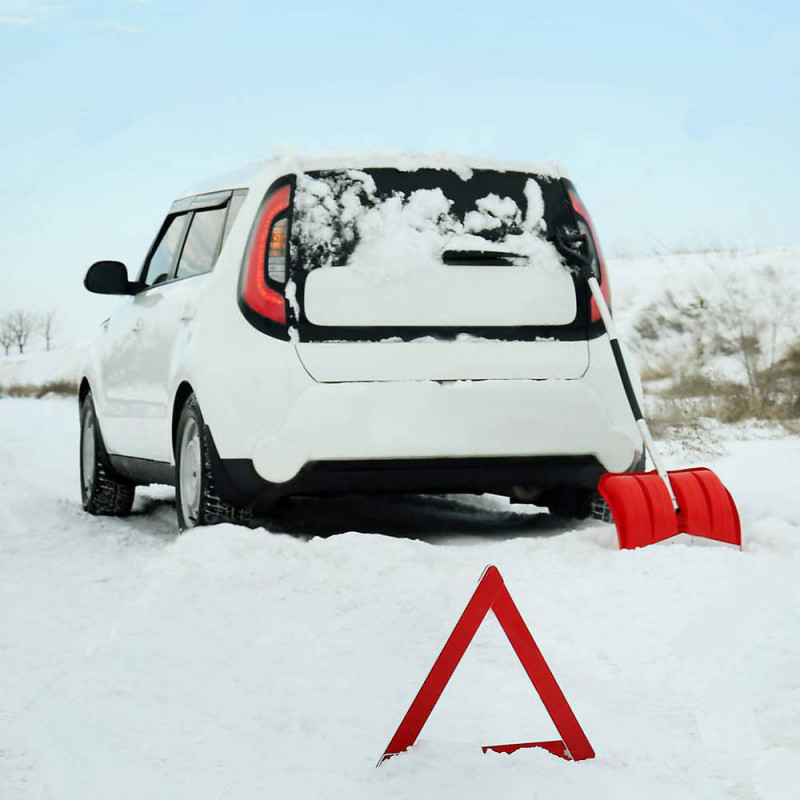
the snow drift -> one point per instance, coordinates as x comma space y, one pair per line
230, 663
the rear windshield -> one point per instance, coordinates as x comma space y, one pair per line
382, 218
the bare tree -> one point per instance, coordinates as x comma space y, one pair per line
48, 326
755, 322
6, 334
22, 324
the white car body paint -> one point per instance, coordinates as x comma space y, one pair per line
282, 404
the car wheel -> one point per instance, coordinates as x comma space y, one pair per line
569, 503
103, 493
196, 501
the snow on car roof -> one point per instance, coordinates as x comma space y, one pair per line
288, 160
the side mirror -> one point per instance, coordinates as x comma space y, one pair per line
108, 277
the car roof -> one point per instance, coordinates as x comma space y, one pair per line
261, 174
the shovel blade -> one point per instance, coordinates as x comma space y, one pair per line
643, 512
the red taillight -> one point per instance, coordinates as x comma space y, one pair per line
602, 278
259, 296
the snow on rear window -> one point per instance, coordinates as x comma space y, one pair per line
384, 222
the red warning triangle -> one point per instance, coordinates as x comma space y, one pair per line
492, 594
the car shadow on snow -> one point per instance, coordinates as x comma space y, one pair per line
431, 518
426, 517
154, 512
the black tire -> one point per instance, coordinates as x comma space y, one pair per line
569, 503
103, 492
196, 500
577, 504
600, 510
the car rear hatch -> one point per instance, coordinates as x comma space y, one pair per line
430, 274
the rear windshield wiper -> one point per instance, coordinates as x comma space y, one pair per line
484, 258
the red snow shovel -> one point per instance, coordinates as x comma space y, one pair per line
649, 507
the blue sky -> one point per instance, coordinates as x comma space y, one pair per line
678, 121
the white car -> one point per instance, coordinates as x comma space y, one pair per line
356, 324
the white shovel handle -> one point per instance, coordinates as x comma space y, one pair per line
644, 430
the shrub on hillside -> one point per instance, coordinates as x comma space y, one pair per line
735, 342
60, 388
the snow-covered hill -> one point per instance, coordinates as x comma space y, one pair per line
696, 313
231, 663
37, 369
639, 281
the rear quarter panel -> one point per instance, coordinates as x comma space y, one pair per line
245, 381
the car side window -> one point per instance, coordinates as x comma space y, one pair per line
160, 263
202, 242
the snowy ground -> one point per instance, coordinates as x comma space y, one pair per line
230, 663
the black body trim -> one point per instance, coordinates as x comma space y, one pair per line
238, 482
143, 470
201, 201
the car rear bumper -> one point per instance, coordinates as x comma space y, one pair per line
411, 422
